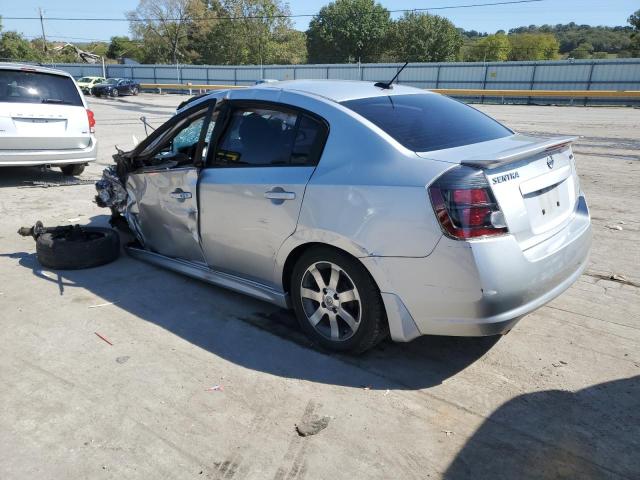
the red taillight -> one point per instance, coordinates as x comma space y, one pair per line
465, 206
92, 121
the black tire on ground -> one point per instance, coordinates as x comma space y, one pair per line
115, 92
134, 91
75, 169
373, 326
97, 246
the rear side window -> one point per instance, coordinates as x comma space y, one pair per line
257, 136
35, 87
428, 122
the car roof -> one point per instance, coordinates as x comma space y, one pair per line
340, 90
333, 90
30, 67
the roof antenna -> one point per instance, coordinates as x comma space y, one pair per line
387, 85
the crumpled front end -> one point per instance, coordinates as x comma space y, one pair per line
114, 194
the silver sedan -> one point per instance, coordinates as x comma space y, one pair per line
371, 210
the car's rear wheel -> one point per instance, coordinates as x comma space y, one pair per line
336, 301
115, 92
134, 91
76, 169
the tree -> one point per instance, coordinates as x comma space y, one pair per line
122, 46
420, 37
584, 50
533, 46
494, 48
634, 47
162, 25
14, 46
244, 32
348, 30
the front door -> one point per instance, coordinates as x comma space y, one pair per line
163, 196
252, 188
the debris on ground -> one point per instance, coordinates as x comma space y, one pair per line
102, 305
614, 277
448, 433
312, 425
66, 183
614, 227
215, 388
103, 338
122, 359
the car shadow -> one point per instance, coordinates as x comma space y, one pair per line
210, 318
36, 177
592, 433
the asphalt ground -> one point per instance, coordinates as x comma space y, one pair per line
558, 397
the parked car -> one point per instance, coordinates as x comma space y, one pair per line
114, 87
369, 210
86, 84
44, 119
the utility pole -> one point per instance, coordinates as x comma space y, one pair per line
44, 38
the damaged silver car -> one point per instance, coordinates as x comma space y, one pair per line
369, 209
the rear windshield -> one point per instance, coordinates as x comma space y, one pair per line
426, 122
35, 87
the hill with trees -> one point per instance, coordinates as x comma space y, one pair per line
240, 32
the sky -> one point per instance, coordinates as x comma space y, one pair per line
483, 19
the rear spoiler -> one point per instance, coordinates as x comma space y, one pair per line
529, 149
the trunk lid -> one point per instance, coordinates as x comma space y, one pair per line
29, 126
533, 179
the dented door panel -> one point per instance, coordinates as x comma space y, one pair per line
163, 210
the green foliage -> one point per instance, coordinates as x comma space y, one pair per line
121, 47
348, 30
584, 50
571, 36
263, 35
533, 46
634, 44
13, 46
492, 48
420, 37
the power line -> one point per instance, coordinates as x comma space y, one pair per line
261, 17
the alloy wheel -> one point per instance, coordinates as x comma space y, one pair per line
331, 301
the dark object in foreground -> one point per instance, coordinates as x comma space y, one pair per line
73, 247
311, 426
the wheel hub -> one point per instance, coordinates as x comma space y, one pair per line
330, 299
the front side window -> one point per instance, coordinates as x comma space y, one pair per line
427, 122
257, 136
180, 143
35, 87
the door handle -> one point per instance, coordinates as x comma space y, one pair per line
180, 195
279, 194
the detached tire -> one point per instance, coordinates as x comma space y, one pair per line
72, 170
91, 247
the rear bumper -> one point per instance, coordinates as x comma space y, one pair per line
25, 158
482, 287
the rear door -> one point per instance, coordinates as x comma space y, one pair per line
163, 204
41, 111
252, 189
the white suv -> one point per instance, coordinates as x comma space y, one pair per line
44, 119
